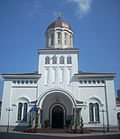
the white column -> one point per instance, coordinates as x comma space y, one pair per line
39, 118
54, 75
68, 76
61, 75
55, 39
46, 76
33, 119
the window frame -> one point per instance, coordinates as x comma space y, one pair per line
66, 38
22, 112
69, 60
47, 60
52, 39
62, 60
54, 60
95, 112
59, 37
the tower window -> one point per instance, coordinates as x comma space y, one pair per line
54, 60
61, 60
47, 41
52, 39
59, 37
65, 38
47, 60
69, 60
70, 41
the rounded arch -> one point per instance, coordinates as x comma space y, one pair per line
96, 99
48, 92
51, 110
24, 98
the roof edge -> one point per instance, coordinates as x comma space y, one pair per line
58, 49
87, 74
23, 75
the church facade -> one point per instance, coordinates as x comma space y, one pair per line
58, 91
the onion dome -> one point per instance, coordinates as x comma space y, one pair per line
59, 23
59, 34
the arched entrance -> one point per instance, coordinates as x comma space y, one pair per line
57, 117
53, 98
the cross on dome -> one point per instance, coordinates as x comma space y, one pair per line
59, 14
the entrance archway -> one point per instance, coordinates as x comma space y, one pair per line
57, 117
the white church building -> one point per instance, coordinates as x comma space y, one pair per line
58, 89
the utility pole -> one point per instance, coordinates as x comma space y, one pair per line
9, 110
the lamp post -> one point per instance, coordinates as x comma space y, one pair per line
9, 110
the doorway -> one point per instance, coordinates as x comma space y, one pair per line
57, 117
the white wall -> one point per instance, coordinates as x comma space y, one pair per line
110, 94
42, 67
12, 95
6, 101
54, 31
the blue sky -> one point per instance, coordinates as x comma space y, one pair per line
96, 26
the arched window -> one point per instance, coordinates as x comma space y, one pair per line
47, 60
25, 112
20, 105
54, 60
97, 112
52, 39
59, 37
70, 41
22, 111
61, 60
91, 114
94, 112
65, 38
69, 60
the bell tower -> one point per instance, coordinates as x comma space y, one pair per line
59, 34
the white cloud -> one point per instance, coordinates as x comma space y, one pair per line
32, 6
83, 6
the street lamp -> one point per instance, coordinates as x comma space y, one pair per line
9, 110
